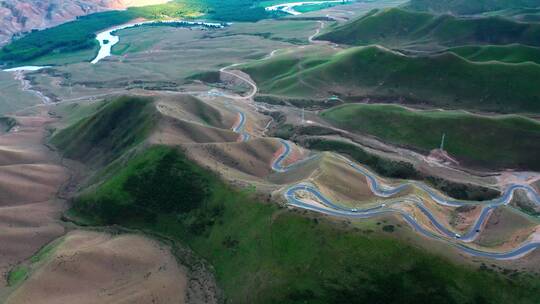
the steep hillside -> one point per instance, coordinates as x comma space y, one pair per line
20, 16
445, 80
401, 28
117, 126
468, 7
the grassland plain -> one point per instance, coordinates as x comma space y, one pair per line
444, 80
264, 254
191, 52
12, 97
78, 36
499, 142
397, 28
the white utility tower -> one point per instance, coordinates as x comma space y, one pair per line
442, 141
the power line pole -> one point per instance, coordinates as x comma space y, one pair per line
442, 141
303, 116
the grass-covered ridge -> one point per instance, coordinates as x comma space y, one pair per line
497, 142
444, 80
401, 28
117, 126
513, 53
468, 7
263, 254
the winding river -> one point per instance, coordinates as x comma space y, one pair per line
107, 39
384, 191
289, 7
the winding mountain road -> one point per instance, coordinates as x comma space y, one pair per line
384, 191
459, 241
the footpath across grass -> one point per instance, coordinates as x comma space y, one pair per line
494, 142
264, 254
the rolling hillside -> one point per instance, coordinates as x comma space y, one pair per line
492, 142
468, 7
248, 242
445, 80
519, 14
513, 53
397, 28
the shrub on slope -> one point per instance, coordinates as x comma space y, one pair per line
401, 28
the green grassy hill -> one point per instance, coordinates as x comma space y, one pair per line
399, 28
496, 142
117, 126
519, 14
467, 7
513, 53
264, 254
445, 80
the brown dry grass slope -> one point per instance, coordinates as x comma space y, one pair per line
92, 267
30, 176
